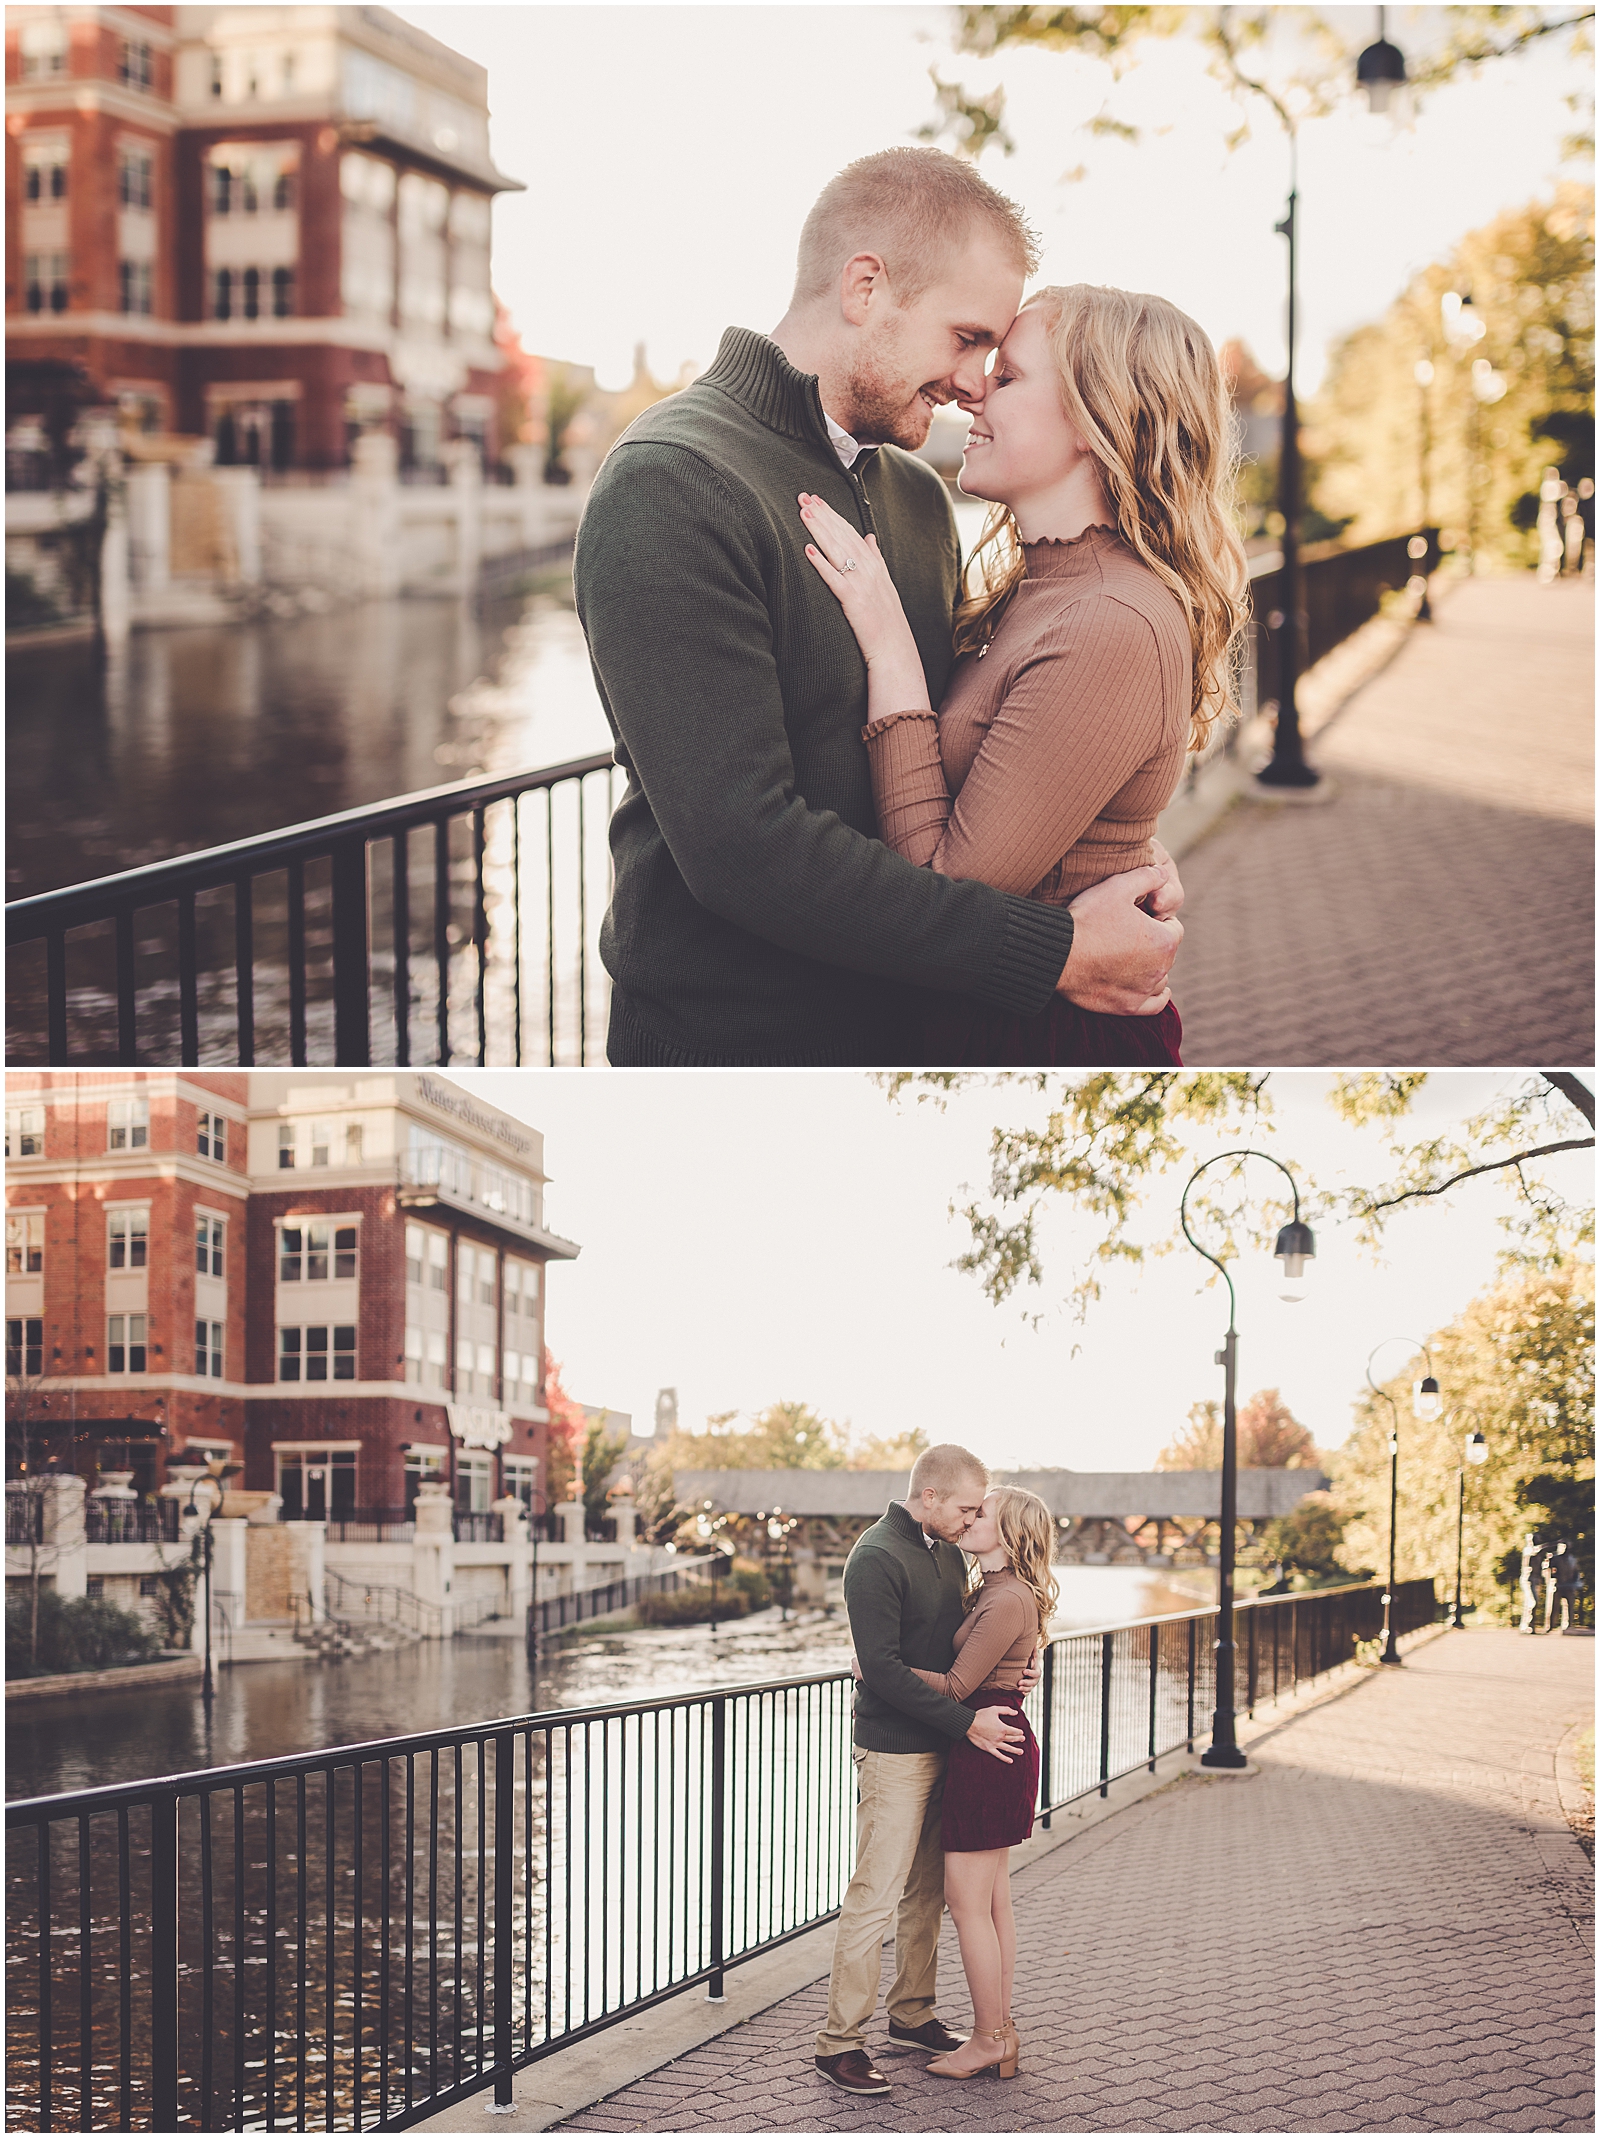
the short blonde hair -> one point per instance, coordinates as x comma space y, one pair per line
944, 1469
914, 208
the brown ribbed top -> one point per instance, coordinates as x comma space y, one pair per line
994, 1643
1057, 748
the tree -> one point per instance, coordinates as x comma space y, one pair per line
604, 1446
1298, 62
1530, 274
1517, 1366
564, 1436
655, 1498
40, 1442
1310, 1540
1110, 1136
1271, 1437
892, 1451
785, 1436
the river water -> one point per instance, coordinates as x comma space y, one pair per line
262, 1710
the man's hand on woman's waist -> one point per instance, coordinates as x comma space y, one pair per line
1122, 953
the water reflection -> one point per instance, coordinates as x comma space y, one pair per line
191, 738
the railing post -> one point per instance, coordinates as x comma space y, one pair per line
505, 1758
164, 1961
1188, 1723
352, 1038
719, 1843
1294, 1648
1250, 1662
1047, 1707
1105, 1712
1155, 1684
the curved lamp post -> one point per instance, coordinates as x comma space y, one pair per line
1426, 1402
1295, 1247
217, 1467
1474, 1450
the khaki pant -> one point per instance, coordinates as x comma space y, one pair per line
900, 1874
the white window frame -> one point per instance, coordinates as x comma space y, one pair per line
25, 1346
128, 1224
121, 1336
306, 1350
332, 1230
211, 1138
129, 1118
209, 1341
24, 1125
25, 1240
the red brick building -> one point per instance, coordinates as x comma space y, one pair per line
266, 227
338, 1282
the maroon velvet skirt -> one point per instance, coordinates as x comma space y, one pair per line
988, 1805
960, 1033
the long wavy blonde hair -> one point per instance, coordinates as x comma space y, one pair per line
1028, 1533
1140, 383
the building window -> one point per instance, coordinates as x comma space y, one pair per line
127, 1238
475, 1375
208, 1246
44, 173
136, 286
208, 1349
425, 1357
311, 1254
475, 1275
222, 308
283, 193
286, 1147
250, 305
305, 1354
211, 1137
44, 49
316, 1483
424, 1466
24, 1131
474, 1483
25, 1349
25, 1244
522, 1293
352, 1144
283, 299
216, 74
135, 177
137, 70
416, 1248
521, 1475
127, 1124
438, 1262
321, 1131
48, 278
125, 1343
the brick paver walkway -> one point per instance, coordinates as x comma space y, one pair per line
1440, 908
1383, 1929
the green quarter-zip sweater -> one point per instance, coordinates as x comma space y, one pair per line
756, 916
905, 1599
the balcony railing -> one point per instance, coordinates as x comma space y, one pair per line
130, 1522
24, 1518
457, 925
360, 1938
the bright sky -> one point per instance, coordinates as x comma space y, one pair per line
750, 1236
671, 154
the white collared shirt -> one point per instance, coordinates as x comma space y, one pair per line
847, 448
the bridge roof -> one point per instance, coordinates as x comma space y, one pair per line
1134, 1494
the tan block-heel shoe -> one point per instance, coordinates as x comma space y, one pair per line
1003, 2063
1013, 2048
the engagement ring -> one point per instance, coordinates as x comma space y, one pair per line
848, 565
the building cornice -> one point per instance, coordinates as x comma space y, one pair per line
83, 100
117, 1168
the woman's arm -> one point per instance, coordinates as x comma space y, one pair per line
994, 1625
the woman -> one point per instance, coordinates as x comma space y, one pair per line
988, 1807
1094, 654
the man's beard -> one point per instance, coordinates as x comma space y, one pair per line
884, 410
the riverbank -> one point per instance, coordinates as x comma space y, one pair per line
174, 1671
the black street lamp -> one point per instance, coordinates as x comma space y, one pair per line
217, 1467
1426, 1402
1287, 767
1474, 1450
1295, 1247
1381, 70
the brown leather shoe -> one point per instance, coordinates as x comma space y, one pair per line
932, 2034
854, 2072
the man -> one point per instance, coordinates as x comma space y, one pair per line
756, 916
1531, 1580
903, 1587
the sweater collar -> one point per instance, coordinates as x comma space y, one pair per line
754, 371
906, 1522
1074, 557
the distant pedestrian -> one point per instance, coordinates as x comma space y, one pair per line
1552, 541
1573, 531
905, 1588
1530, 1581
1563, 1583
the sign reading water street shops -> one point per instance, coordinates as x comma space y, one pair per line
468, 1111
476, 1426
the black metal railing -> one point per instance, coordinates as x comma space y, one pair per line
1340, 590
606, 1597
131, 1521
356, 1939
477, 1528
24, 1518
456, 925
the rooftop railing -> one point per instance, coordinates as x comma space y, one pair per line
356, 1939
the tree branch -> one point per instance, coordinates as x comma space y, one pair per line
1493, 1165
1573, 1088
